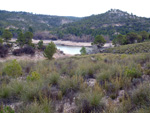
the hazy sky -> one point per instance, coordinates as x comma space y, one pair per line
77, 8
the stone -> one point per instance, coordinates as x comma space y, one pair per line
14, 105
121, 93
91, 82
69, 108
93, 59
146, 77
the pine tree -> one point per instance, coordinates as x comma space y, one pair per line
21, 39
50, 50
7, 35
83, 51
99, 41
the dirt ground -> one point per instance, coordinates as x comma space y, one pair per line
38, 56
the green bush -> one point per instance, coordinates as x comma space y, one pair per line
103, 75
5, 91
16, 87
13, 68
44, 106
54, 78
132, 72
50, 50
34, 76
31, 90
90, 101
72, 83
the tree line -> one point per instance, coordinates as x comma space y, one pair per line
131, 38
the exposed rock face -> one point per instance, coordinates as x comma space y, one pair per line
64, 21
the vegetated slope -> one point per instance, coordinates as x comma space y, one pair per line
131, 48
101, 83
23, 20
110, 23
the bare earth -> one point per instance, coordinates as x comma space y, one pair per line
68, 43
38, 56
60, 42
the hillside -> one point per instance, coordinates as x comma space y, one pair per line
23, 20
101, 83
110, 23
130, 48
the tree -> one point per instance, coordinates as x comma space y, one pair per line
83, 51
28, 37
21, 39
50, 50
144, 35
99, 41
132, 37
7, 35
119, 40
40, 44
30, 29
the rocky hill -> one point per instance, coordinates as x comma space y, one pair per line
110, 23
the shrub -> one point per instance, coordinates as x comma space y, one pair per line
32, 45
16, 87
31, 90
54, 78
72, 83
43, 106
8, 45
12, 89
147, 68
3, 51
141, 95
17, 52
90, 101
34, 76
103, 75
28, 50
13, 68
50, 50
40, 45
132, 72
5, 91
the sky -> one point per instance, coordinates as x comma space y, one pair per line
78, 8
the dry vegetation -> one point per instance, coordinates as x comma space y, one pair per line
131, 48
105, 83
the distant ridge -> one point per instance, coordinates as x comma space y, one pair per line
110, 23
